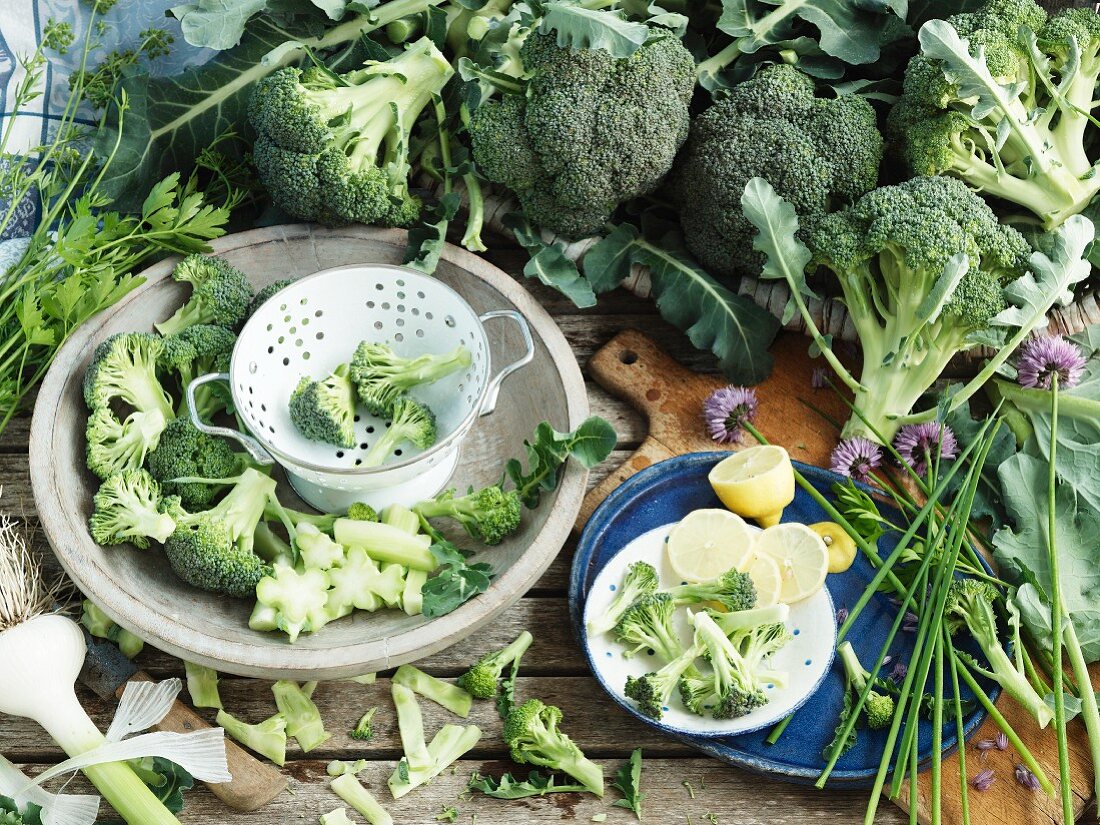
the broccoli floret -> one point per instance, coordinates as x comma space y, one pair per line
733, 590
381, 376
412, 422
220, 295
124, 368
698, 694
490, 514
196, 351
1012, 119
878, 709
818, 153
364, 728
267, 292
639, 580
531, 732
185, 452
891, 253
653, 690
126, 511
483, 679
335, 148
738, 686
757, 644
359, 511
114, 446
969, 606
588, 132
647, 625
325, 410
213, 550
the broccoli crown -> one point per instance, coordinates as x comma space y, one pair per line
335, 148
698, 694
124, 367
737, 702
195, 351
364, 728
185, 452
267, 292
126, 510
970, 604
639, 580
647, 625
531, 732
878, 709
590, 132
114, 446
325, 410
819, 154
653, 690
755, 644
412, 422
220, 295
736, 682
381, 376
212, 550
733, 590
359, 511
491, 514
482, 680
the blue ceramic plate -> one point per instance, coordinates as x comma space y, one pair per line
668, 491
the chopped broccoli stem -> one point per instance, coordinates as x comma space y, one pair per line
410, 724
358, 583
449, 696
268, 738
100, 625
202, 685
385, 543
298, 599
303, 719
338, 768
446, 748
348, 788
335, 817
316, 549
412, 597
402, 518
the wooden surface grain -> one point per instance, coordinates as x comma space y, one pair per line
553, 670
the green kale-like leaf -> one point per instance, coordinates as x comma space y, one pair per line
628, 782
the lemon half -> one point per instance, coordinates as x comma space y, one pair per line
757, 483
801, 555
707, 543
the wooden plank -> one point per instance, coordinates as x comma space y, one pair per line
721, 795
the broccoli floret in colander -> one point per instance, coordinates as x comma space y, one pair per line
381, 376
325, 410
412, 422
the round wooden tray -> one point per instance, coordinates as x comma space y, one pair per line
138, 589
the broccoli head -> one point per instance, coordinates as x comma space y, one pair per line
124, 368
491, 514
817, 153
185, 452
653, 691
360, 511
878, 708
325, 410
639, 580
647, 626
335, 148
382, 376
412, 422
1002, 98
483, 679
196, 351
738, 681
531, 732
364, 728
897, 254
733, 590
114, 446
220, 295
268, 292
213, 550
588, 132
126, 510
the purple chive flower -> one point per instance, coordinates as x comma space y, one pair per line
910, 625
1027, 779
898, 674
918, 444
842, 615
726, 412
856, 458
1041, 358
983, 781
1002, 741
819, 380
985, 745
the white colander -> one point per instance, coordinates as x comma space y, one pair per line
313, 326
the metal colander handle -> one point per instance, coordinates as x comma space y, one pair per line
492, 391
254, 448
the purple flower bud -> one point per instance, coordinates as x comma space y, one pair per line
726, 412
1041, 358
856, 458
919, 444
842, 615
820, 378
1027, 779
898, 674
1002, 741
986, 744
910, 625
983, 781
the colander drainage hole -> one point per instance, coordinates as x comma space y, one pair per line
320, 336
318, 314
370, 304
359, 461
286, 362
340, 454
272, 349
357, 421
371, 430
398, 454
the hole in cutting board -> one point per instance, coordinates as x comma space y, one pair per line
628, 356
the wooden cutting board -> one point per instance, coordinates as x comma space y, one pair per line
634, 368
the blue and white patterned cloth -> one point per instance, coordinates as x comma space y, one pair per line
21, 25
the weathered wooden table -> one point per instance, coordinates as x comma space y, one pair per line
680, 786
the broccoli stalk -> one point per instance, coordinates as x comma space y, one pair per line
316, 549
386, 543
100, 625
325, 410
490, 514
446, 748
878, 708
970, 605
220, 295
296, 601
640, 580
738, 688
412, 422
126, 509
381, 376
303, 719
653, 690
339, 816
647, 625
116, 446
456, 699
733, 590
531, 732
349, 789
482, 681
335, 148
202, 685
124, 367
358, 583
268, 738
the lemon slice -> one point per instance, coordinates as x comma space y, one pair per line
801, 555
757, 483
841, 546
707, 543
764, 572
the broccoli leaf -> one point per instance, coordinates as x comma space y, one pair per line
589, 444
455, 583
506, 695
508, 787
580, 28
628, 782
731, 326
216, 24
549, 264
1024, 549
786, 256
427, 239
988, 498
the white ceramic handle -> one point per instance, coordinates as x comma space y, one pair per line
254, 448
493, 390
